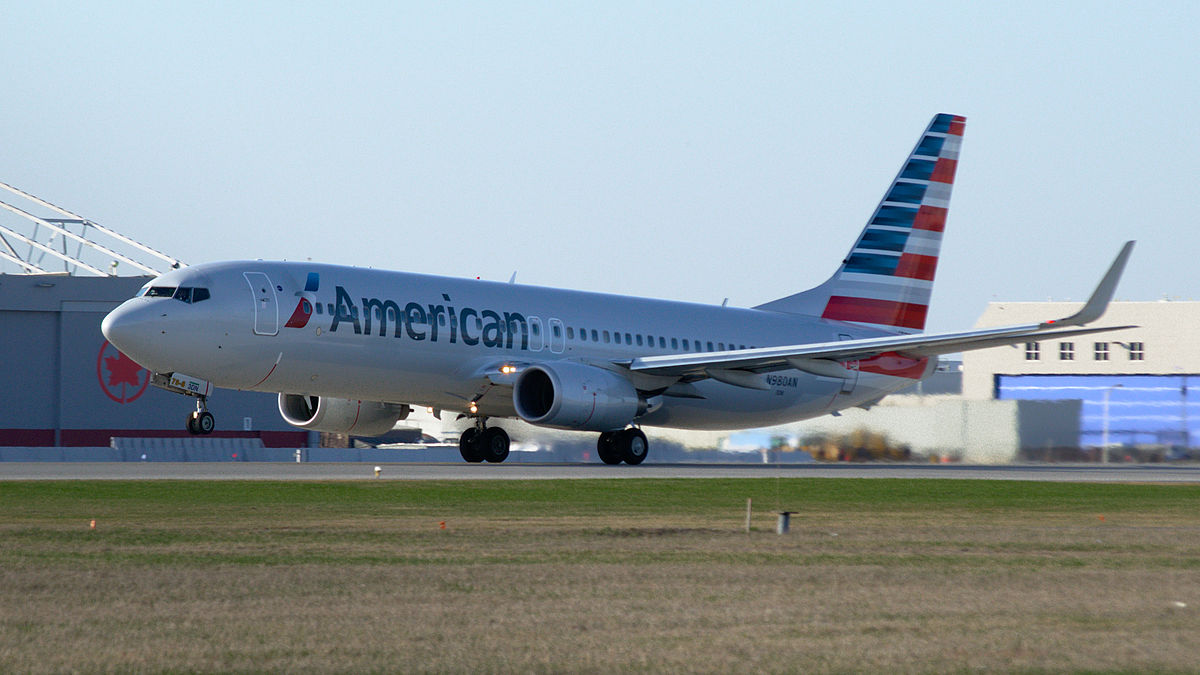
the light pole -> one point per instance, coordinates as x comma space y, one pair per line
1104, 430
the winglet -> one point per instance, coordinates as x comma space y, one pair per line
1103, 294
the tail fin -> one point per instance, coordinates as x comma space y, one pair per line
887, 278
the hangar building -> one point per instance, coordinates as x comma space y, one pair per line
64, 385
1136, 387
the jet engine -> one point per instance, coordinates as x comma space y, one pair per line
569, 395
339, 415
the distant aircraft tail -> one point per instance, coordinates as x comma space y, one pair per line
888, 276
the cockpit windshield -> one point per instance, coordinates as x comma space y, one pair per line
188, 294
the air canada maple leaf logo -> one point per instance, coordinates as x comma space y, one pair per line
121, 378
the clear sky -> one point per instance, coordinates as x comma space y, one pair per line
692, 151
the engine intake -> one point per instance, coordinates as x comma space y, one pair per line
339, 415
568, 395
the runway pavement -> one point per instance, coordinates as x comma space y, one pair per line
1112, 473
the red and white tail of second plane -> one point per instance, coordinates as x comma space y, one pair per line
351, 350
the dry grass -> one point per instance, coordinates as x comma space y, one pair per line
276, 587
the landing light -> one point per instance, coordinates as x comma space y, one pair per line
473, 408
508, 370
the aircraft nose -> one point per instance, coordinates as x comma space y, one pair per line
127, 327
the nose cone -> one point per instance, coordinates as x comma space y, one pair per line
130, 328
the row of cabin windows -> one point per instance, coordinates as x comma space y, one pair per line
1100, 351
632, 339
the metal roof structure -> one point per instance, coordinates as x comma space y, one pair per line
62, 242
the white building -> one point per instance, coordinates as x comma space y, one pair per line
1161, 344
1138, 387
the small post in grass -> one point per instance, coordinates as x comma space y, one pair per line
784, 522
748, 511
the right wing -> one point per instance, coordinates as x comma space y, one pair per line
827, 357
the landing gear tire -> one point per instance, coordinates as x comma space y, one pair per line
201, 423
470, 447
494, 445
205, 422
632, 445
606, 448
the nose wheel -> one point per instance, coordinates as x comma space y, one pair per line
201, 422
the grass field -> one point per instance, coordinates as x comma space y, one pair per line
598, 576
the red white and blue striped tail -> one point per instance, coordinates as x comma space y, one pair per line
888, 276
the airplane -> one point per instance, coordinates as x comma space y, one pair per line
352, 350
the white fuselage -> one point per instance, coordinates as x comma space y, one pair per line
426, 340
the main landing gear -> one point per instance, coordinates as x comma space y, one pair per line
627, 445
201, 421
480, 443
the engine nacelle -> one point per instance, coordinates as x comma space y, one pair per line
569, 395
340, 416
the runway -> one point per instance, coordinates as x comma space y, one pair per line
1089, 473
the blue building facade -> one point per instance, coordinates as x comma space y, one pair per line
1160, 410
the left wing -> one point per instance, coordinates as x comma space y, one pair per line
826, 357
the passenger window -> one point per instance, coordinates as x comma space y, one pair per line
535, 334
595, 336
606, 337
570, 333
710, 347
685, 344
319, 307
556, 329
720, 346
629, 339
674, 343
639, 339
697, 344
583, 334
662, 342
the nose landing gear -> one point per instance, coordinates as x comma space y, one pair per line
201, 421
